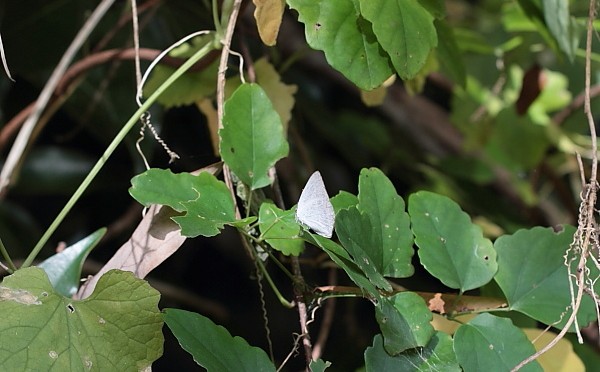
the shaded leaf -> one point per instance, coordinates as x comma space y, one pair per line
405, 30
437, 355
193, 86
350, 46
489, 343
212, 346
451, 248
404, 320
319, 365
252, 137
561, 26
533, 276
449, 55
64, 268
118, 328
561, 357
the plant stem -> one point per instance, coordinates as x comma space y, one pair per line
11, 266
111, 148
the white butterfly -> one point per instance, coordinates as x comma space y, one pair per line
314, 208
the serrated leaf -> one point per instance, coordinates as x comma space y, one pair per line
405, 30
193, 86
437, 355
533, 277
212, 346
252, 138
64, 268
118, 328
337, 28
210, 210
404, 320
280, 229
451, 247
280, 94
489, 343
268, 15
161, 186
390, 223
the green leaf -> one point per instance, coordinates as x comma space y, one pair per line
319, 365
205, 200
336, 28
405, 30
437, 8
64, 268
449, 54
117, 328
561, 26
489, 343
392, 237
161, 186
533, 276
210, 210
404, 320
280, 229
252, 138
451, 248
344, 200
356, 234
191, 87
437, 355
212, 346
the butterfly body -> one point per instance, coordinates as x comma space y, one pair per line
314, 208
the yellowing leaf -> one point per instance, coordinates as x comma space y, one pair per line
268, 15
280, 94
375, 97
561, 358
206, 107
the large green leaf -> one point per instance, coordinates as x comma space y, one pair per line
451, 248
438, 355
390, 224
252, 137
404, 320
336, 28
117, 328
533, 276
212, 346
449, 55
280, 229
161, 186
489, 343
64, 268
405, 30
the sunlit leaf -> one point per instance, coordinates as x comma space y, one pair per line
337, 28
252, 137
280, 229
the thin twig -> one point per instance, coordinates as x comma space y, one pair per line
20, 144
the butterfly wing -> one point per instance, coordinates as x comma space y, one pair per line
314, 208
